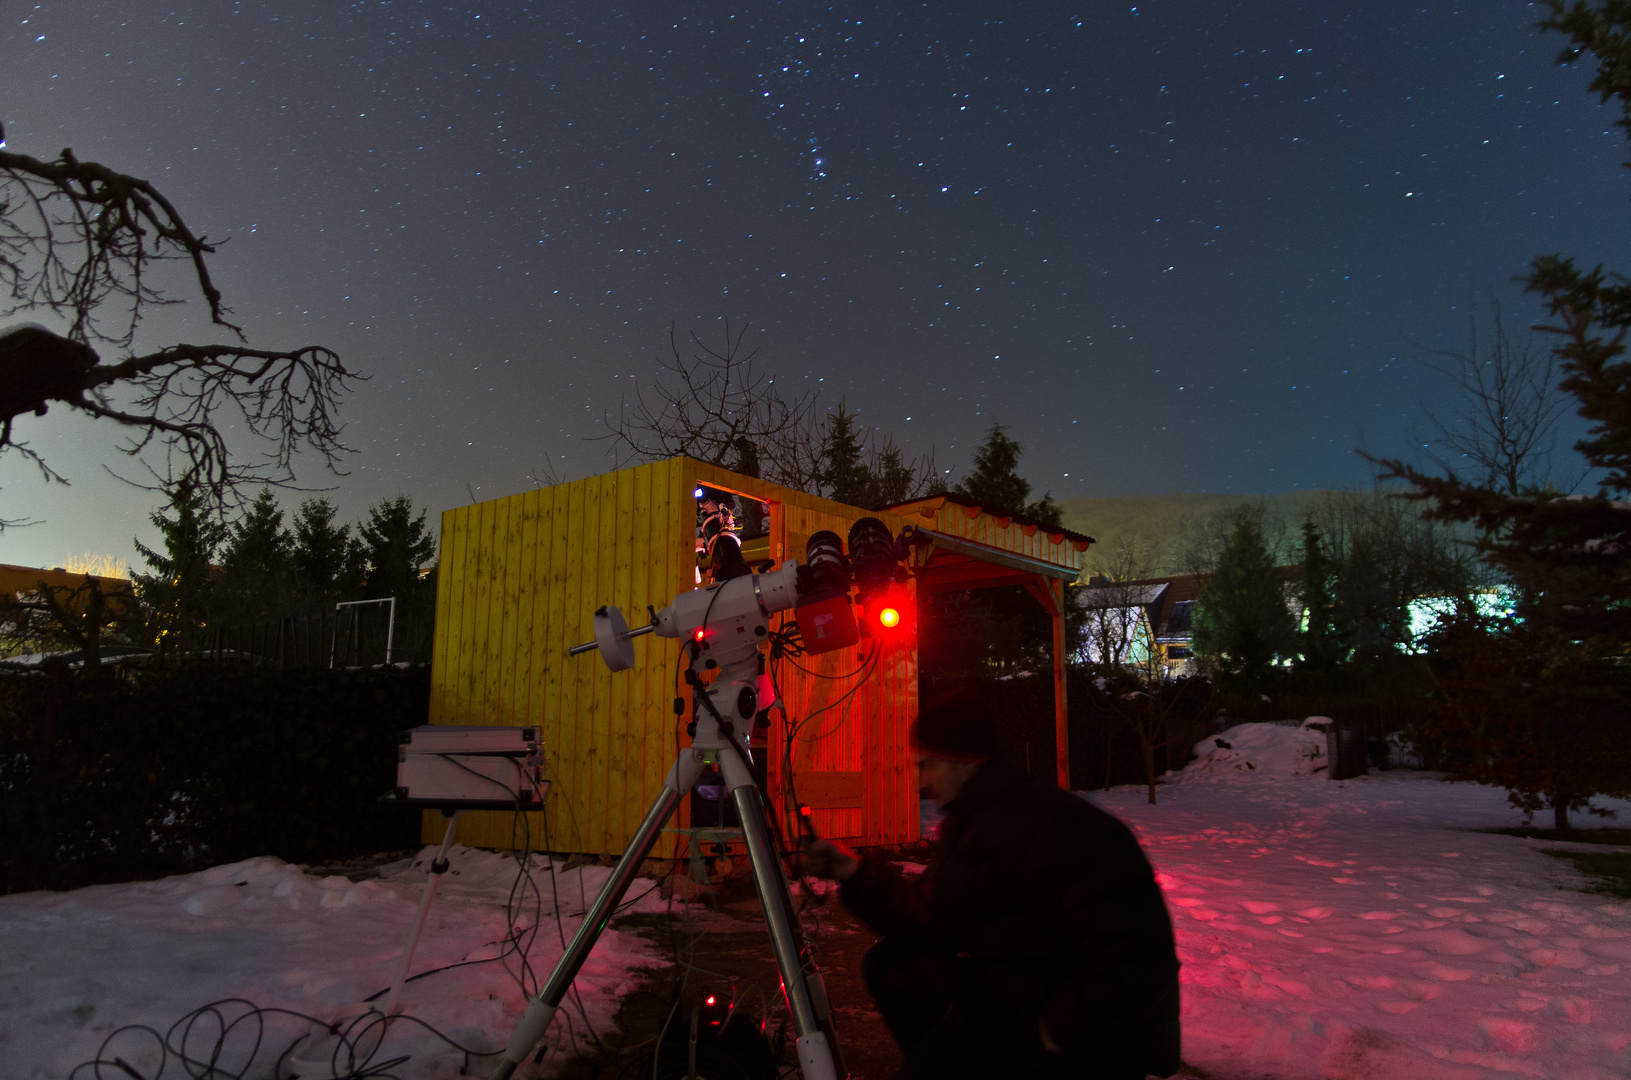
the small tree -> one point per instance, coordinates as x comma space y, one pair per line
1241, 621
1144, 703
1519, 708
177, 594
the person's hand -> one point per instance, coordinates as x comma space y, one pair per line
1047, 1040
825, 859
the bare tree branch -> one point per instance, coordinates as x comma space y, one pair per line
1506, 426
80, 240
716, 406
75, 235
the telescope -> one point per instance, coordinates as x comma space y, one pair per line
723, 626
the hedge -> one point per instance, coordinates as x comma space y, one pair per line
170, 769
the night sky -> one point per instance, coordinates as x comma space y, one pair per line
1183, 246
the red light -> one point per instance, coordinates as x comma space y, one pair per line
700, 633
889, 618
805, 810
710, 999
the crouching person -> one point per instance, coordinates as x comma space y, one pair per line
1036, 944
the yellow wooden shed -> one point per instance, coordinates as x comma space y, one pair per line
521, 576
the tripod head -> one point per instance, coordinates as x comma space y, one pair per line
732, 615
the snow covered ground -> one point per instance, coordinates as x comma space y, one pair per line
76, 966
1359, 929
1331, 930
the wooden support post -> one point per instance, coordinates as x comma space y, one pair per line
1061, 715
1050, 593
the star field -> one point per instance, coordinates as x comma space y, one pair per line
1173, 246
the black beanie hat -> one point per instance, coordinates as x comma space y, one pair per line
958, 725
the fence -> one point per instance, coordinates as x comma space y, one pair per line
347, 638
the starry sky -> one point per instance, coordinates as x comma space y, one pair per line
1189, 245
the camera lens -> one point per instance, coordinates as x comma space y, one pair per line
871, 556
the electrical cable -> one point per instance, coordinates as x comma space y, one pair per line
356, 1055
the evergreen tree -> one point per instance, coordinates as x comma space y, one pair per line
327, 561
995, 480
255, 559
1323, 644
177, 594
1241, 620
1565, 555
844, 473
397, 544
894, 480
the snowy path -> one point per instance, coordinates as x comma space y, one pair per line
1357, 929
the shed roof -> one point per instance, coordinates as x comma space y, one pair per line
976, 545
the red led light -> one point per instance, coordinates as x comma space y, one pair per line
700, 633
889, 617
710, 999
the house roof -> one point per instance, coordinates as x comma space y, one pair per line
1119, 594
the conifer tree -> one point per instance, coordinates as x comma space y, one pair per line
1241, 620
397, 545
1562, 740
177, 594
995, 480
255, 559
1323, 642
844, 473
328, 562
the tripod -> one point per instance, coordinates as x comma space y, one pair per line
715, 742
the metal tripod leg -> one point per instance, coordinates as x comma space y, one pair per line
535, 1022
819, 1056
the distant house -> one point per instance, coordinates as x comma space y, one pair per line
1137, 623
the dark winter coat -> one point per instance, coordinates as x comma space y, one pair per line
1046, 906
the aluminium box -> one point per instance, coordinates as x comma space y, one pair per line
452, 767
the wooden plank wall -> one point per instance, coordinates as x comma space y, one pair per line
520, 579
